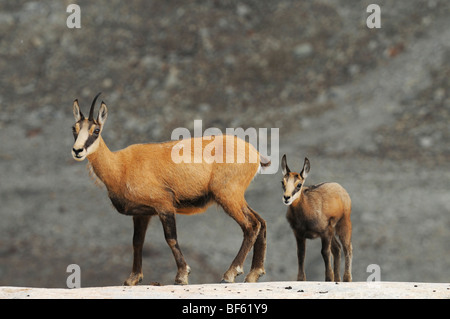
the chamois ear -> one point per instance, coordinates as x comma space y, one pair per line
284, 168
77, 112
102, 114
305, 170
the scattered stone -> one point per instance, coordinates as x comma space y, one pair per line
303, 50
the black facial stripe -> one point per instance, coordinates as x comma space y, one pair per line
297, 189
91, 139
75, 133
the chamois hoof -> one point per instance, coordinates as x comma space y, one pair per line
254, 275
182, 276
129, 282
181, 281
133, 280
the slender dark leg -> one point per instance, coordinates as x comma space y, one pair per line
259, 251
301, 251
344, 231
336, 251
170, 233
140, 227
250, 226
326, 254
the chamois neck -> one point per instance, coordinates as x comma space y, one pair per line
104, 164
301, 199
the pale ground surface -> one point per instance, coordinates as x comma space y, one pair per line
271, 290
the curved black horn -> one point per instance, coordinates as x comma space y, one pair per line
91, 112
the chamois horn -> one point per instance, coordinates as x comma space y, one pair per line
91, 112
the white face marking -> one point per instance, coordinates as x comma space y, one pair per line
79, 151
292, 185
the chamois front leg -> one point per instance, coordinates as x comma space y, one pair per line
170, 233
301, 250
140, 227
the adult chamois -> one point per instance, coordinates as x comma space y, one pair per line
142, 180
321, 210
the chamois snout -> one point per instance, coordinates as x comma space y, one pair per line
287, 200
78, 154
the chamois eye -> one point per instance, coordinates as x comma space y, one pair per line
282, 185
299, 185
97, 131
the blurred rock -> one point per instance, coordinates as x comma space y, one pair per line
303, 50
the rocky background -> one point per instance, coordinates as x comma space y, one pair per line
369, 107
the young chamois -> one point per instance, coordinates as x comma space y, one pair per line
142, 180
322, 210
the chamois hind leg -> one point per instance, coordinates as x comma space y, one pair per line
140, 227
344, 231
170, 233
250, 226
336, 251
259, 251
326, 254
